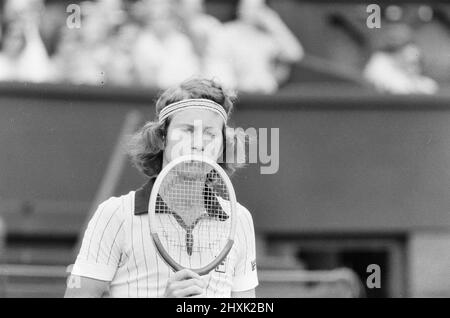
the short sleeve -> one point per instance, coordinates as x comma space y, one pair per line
100, 252
245, 272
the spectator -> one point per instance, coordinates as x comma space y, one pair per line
396, 66
255, 52
23, 56
120, 68
199, 26
52, 24
163, 55
84, 52
124, 31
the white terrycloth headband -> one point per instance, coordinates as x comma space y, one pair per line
192, 103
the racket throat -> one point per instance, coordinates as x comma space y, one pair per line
189, 241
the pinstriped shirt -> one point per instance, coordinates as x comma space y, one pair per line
117, 247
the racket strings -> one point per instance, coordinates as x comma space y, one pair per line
190, 216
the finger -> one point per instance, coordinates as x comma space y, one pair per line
202, 295
190, 291
187, 283
185, 274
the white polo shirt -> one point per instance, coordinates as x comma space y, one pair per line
117, 247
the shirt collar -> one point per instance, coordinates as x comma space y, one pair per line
142, 196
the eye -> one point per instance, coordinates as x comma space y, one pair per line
211, 134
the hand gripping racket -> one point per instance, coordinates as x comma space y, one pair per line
192, 214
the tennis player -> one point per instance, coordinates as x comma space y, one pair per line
118, 257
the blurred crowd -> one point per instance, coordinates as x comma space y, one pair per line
158, 43
395, 64
154, 43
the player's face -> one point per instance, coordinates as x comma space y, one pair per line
194, 131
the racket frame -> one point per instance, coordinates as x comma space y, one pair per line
152, 217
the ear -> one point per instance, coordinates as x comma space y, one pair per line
163, 143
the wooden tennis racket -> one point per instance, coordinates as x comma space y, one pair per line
192, 214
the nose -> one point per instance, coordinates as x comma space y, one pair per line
198, 142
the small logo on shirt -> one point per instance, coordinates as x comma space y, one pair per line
253, 265
221, 267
